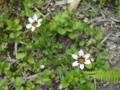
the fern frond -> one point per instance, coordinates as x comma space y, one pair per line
109, 75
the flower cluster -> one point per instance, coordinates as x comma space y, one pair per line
81, 59
34, 22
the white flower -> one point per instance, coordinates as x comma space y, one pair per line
35, 22
81, 59
42, 66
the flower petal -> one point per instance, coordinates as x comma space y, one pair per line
81, 53
33, 29
39, 20
87, 62
35, 17
38, 25
82, 66
30, 20
87, 56
75, 63
42, 66
75, 56
28, 26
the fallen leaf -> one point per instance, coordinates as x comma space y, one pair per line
73, 5
85, 20
69, 1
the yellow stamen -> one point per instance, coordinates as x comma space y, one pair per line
35, 23
81, 60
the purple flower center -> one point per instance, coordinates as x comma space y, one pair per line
35, 23
81, 60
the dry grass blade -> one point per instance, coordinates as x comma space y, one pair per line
73, 5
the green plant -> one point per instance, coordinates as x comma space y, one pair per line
108, 75
35, 54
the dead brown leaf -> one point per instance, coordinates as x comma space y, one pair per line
73, 5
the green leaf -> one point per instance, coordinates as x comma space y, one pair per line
24, 64
38, 80
38, 1
89, 66
68, 59
64, 83
29, 4
38, 13
65, 15
94, 0
91, 86
8, 74
68, 52
58, 46
31, 59
21, 55
73, 36
91, 41
79, 27
4, 16
62, 21
76, 72
18, 81
88, 86
99, 46
61, 31
75, 80
82, 80
29, 46
57, 17
30, 85
47, 80
28, 88
19, 88
69, 29
16, 21
1, 23
28, 12
12, 35
52, 75
7, 66
10, 24
46, 72
15, 34
3, 85
106, 66
21, 3
52, 26
19, 27
82, 43
91, 13
88, 31
98, 37
69, 77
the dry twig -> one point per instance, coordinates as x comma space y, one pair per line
73, 5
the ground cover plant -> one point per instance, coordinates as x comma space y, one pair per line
33, 51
